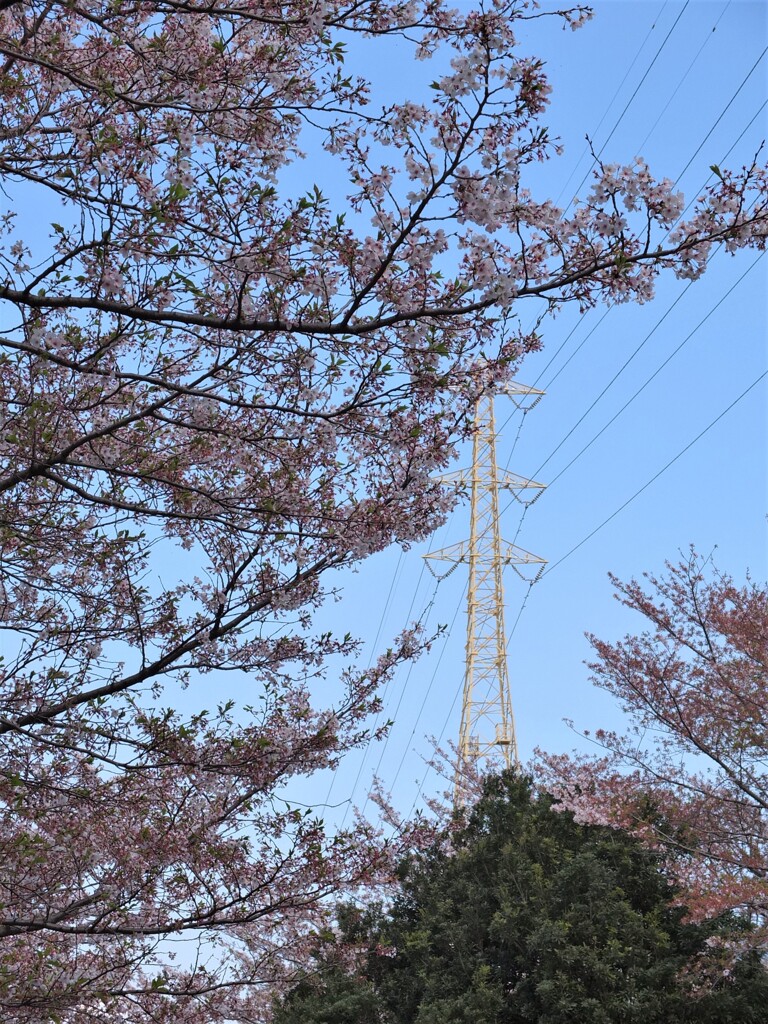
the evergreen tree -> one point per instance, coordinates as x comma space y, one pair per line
529, 917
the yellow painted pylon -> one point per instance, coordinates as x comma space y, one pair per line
487, 719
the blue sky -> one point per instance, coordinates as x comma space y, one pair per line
671, 82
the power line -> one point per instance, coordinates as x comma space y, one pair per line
619, 87
656, 476
631, 98
403, 688
387, 688
422, 621
723, 112
431, 683
398, 566
596, 530
658, 370
642, 387
520, 612
448, 717
687, 72
731, 148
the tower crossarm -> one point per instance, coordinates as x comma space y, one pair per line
524, 396
524, 490
510, 554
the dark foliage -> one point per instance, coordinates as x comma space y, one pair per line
527, 917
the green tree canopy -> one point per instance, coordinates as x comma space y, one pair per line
527, 916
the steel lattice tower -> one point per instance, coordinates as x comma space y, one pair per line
487, 719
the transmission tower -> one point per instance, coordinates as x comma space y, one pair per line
487, 720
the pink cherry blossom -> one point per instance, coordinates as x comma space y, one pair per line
690, 774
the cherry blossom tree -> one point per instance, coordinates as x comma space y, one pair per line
221, 380
691, 773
